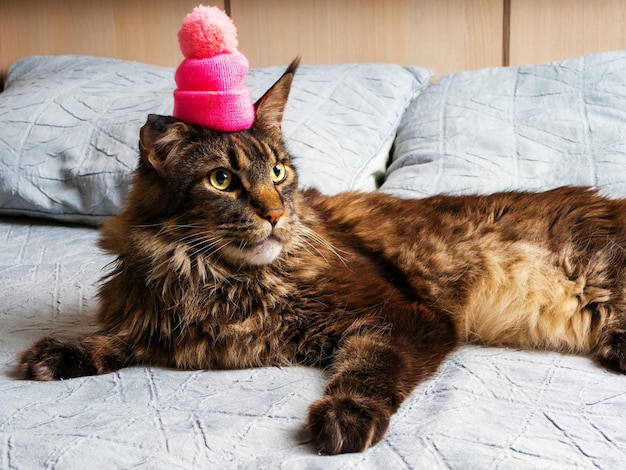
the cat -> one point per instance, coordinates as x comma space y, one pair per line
223, 262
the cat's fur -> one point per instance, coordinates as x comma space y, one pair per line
375, 288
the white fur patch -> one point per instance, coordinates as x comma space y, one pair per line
256, 255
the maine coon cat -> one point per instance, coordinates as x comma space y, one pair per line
222, 262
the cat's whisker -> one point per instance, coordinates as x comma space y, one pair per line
201, 244
315, 237
306, 244
199, 236
174, 229
214, 248
158, 224
198, 242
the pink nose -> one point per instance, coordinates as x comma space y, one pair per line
273, 215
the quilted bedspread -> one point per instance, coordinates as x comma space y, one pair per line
529, 127
486, 407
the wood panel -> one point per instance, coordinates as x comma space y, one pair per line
272, 32
142, 30
454, 35
445, 36
543, 31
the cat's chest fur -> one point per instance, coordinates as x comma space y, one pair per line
234, 322
275, 315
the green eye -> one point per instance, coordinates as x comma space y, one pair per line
220, 179
278, 173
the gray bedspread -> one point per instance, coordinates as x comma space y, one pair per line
486, 408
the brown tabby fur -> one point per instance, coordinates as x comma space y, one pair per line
378, 289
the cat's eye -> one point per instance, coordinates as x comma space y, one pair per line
278, 173
220, 179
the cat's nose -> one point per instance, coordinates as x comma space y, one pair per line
273, 215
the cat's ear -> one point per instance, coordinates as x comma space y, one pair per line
159, 139
271, 106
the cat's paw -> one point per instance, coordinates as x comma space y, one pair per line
612, 354
341, 424
51, 359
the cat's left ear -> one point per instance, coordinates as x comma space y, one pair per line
271, 106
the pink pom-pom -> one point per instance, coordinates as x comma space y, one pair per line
207, 31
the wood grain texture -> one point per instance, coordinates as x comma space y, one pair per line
454, 35
141, 30
445, 36
543, 31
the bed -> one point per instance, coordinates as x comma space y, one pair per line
68, 142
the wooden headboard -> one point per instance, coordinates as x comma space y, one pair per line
444, 35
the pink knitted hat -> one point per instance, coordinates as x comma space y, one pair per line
211, 92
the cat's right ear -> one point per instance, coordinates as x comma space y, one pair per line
160, 139
271, 106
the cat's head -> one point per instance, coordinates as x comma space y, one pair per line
232, 196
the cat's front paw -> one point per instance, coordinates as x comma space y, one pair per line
341, 424
51, 359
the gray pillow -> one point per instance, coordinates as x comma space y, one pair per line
69, 128
518, 128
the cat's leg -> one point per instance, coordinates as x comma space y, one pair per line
52, 359
372, 375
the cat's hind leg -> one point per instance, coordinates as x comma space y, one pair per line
53, 359
611, 349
